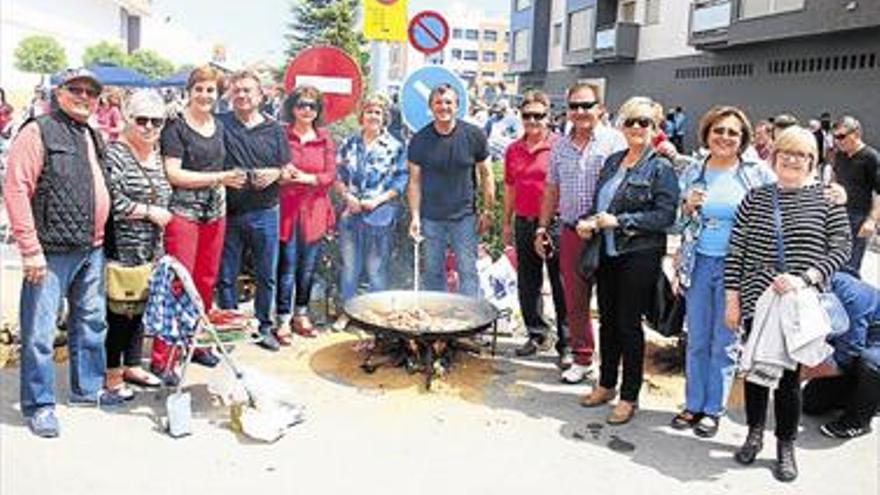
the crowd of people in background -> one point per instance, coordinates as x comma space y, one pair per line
770, 215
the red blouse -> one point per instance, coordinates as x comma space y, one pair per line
304, 206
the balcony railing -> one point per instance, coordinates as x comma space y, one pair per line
709, 22
616, 41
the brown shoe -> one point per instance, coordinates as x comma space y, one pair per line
303, 327
622, 413
600, 395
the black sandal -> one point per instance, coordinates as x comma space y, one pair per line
685, 419
707, 427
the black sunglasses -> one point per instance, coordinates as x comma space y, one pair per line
536, 116
583, 105
841, 136
311, 105
643, 122
83, 91
156, 122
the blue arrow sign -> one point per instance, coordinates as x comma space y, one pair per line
416, 89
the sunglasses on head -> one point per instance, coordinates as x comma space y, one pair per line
726, 131
536, 116
156, 122
643, 122
582, 105
311, 105
83, 91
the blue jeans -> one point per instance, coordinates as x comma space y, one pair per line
711, 346
461, 234
78, 275
296, 267
257, 230
363, 246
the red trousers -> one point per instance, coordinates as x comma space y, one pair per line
197, 246
577, 297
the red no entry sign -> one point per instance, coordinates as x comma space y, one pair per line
428, 32
333, 72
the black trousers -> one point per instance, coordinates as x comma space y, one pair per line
786, 401
856, 392
125, 340
530, 278
626, 286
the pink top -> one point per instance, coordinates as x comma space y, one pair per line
525, 171
108, 117
309, 207
24, 165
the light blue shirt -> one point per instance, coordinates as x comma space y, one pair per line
723, 194
606, 194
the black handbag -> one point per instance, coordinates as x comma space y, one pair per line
588, 263
666, 314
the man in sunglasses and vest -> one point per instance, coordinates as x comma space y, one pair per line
575, 161
58, 203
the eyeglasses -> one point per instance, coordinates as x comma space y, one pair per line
81, 91
643, 122
156, 122
310, 105
581, 105
536, 116
793, 156
726, 131
841, 136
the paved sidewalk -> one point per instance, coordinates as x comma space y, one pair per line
502, 426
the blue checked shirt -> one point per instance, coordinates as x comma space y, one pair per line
576, 172
171, 314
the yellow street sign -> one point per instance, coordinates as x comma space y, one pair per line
385, 20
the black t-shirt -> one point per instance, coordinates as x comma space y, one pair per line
448, 169
859, 175
262, 146
199, 154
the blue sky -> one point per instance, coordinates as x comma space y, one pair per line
255, 29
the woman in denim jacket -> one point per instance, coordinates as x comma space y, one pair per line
711, 191
636, 199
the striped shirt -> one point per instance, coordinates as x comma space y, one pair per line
138, 240
815, 235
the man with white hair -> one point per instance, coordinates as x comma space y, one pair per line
857, 169
58, 204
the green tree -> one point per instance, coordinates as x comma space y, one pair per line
105, 51
150, 63
40, 54
330, 22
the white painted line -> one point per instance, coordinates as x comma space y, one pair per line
422, 89
325, 84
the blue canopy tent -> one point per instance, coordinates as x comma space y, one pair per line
114, 75
178, 79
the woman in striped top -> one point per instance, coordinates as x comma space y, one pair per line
816, 243
140, 195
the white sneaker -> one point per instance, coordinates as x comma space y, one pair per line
577, 373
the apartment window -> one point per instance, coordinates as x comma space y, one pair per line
490, 35
521, 45
523, 4
580, 29
506, 36
759, 8
557, 33
506, 58
457, 34
488, 74
456, 54
472, 34
490, 56
470, 55
652, 12
628, 11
